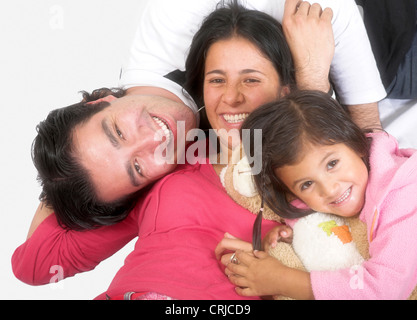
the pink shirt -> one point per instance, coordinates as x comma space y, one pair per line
179, 224
390, 213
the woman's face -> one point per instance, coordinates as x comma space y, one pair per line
329, 179
124, 146
238, 79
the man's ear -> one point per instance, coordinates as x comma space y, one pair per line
108, 99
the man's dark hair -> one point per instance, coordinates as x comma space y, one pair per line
66, 184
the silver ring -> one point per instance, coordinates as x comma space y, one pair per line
233, 259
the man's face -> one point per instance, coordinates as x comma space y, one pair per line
118, 145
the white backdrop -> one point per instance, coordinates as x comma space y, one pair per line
50, 50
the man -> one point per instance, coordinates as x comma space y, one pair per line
166, 29
107, 145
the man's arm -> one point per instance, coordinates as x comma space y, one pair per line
318, 38
366, 116
309, 33
41, 214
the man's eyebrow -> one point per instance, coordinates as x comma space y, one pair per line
110, 135
132, 175
116, 144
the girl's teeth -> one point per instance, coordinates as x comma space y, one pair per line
236, 118
343, 197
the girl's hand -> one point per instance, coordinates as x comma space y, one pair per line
259, 274
280, 233
255, 274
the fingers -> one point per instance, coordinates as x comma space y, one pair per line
304, 8
280, 233
232, 244
245, 292
327, 14
260, 254
291, 7
286, 234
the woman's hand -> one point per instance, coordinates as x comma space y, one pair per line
228, 246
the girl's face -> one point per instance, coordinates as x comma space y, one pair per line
328, 178
238, 79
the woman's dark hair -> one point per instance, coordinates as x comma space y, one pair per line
232, 20
66, 184
287, 124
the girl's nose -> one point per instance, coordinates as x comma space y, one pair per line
329, 189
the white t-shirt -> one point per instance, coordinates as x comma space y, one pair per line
166, 29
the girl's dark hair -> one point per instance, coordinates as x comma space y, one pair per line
287, 124
66, 185
231, 20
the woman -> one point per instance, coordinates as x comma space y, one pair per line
97, 157
174, 256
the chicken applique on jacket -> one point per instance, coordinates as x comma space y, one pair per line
320, 241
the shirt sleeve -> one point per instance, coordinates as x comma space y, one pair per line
166, 29
354, 71
391, 272
52, 248
161, 43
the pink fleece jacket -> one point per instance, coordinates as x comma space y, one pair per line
390, 213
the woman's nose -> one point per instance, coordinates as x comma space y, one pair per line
232, 94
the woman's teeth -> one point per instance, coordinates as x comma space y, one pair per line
343, 197
236, 118
165, 129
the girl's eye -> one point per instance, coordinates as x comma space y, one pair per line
332, 164
306, 185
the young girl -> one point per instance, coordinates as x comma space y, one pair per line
314, 156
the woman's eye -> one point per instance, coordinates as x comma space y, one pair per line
252, 81
306, 185
216, 81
